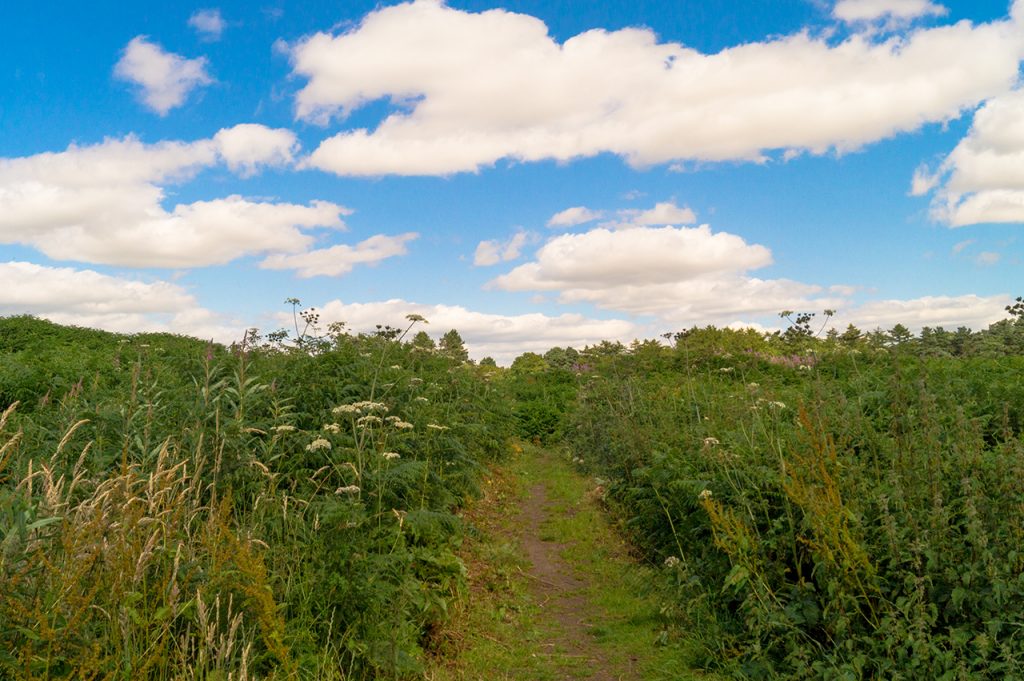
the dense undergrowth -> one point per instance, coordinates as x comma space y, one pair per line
838, 509
173, 509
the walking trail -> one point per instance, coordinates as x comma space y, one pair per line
554, 593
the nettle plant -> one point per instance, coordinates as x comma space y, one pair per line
855, 518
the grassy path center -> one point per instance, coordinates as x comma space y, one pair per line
553, 592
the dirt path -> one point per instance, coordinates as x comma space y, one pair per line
559, 592
553, 592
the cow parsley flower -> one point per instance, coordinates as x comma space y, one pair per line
318, 444
368, 405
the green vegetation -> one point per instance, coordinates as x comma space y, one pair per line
172, 509
503, 627
837, 507
843, 508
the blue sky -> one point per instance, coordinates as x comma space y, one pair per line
532, 173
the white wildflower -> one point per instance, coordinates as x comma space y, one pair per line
332, 428
777, 405
726, 370
347, 489
672, 561
368, 420
284, 428
392, 419
391, 456
367, 405
420, 399
345, 409
434, 426
704, 495
396, 366
318, 444
710, 441
403, 425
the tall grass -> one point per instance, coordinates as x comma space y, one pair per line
174, 510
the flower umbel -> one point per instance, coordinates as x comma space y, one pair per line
318, 444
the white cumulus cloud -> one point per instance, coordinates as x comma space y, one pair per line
576, 215
666, 213
492, 252
340, 259
165, 78
603, 258
950, 312
208, 23
103, 203
248, 147
982, 179
474, 88
88, 298
871, 10
678, 276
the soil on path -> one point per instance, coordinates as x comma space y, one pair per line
554, 594
559, 593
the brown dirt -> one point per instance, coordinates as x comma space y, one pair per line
560, 594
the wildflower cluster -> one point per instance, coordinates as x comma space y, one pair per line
364, 407
318, 444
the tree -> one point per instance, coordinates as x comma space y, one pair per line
529, 363
423, 341
900, 334
562, 358
452, 346
1017, 310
